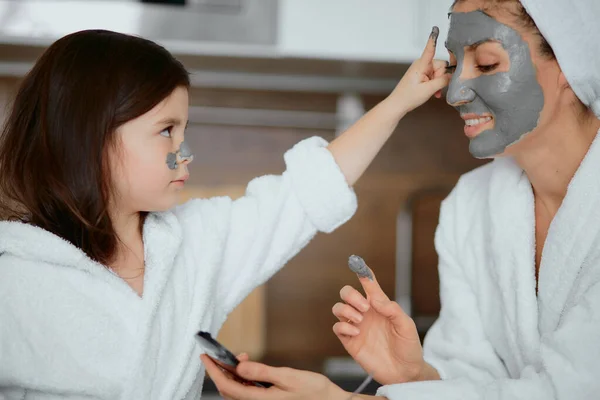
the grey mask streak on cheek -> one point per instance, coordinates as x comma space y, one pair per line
514, 98
185, 154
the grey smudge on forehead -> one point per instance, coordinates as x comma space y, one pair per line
359, 267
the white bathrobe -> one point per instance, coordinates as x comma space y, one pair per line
69, 328
494, 338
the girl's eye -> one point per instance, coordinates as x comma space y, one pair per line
166, 132
450, 69
487, 68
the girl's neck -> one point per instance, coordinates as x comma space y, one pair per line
127, 226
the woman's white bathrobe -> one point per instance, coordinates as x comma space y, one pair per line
494, 339
69, 328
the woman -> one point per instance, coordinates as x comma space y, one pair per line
518, 238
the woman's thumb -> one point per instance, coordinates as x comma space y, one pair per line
390, 310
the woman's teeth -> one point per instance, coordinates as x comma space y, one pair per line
477, 121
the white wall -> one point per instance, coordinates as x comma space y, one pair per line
386, 30
376, 30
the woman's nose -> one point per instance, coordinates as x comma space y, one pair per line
459, 92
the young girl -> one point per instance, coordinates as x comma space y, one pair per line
105, 282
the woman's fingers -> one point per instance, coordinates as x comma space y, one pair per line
354, 298
372, 288
345, 329
392, 311
345, 312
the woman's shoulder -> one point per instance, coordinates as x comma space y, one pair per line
476, 180
471, 190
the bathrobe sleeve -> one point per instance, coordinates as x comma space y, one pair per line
470, 369
278, 216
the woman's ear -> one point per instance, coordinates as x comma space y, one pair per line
562, 81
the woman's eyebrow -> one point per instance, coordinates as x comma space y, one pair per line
475, 45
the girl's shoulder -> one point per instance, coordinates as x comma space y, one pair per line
203, 215
18, 275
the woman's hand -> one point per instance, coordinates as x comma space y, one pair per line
288, 384
425, 78
380, 336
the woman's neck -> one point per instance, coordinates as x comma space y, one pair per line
552, 159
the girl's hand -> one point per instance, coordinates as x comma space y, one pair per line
288, 384
425, 78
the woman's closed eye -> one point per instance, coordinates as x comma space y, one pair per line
450, 69
487, 68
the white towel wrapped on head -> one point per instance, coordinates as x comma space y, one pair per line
570, 26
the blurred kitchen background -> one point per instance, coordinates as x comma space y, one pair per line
267, 74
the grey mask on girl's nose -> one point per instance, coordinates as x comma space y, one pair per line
184, 153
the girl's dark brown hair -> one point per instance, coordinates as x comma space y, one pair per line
54, 146
523, 18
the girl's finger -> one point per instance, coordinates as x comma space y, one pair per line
429, 51
437, 84
228, 387
439, 66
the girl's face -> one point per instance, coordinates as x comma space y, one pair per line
149, 162
502, 86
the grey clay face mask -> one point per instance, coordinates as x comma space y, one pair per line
513, 98
185, 154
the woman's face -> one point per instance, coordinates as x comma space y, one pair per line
502, 86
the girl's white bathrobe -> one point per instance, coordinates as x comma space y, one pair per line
69, 328
495, 339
